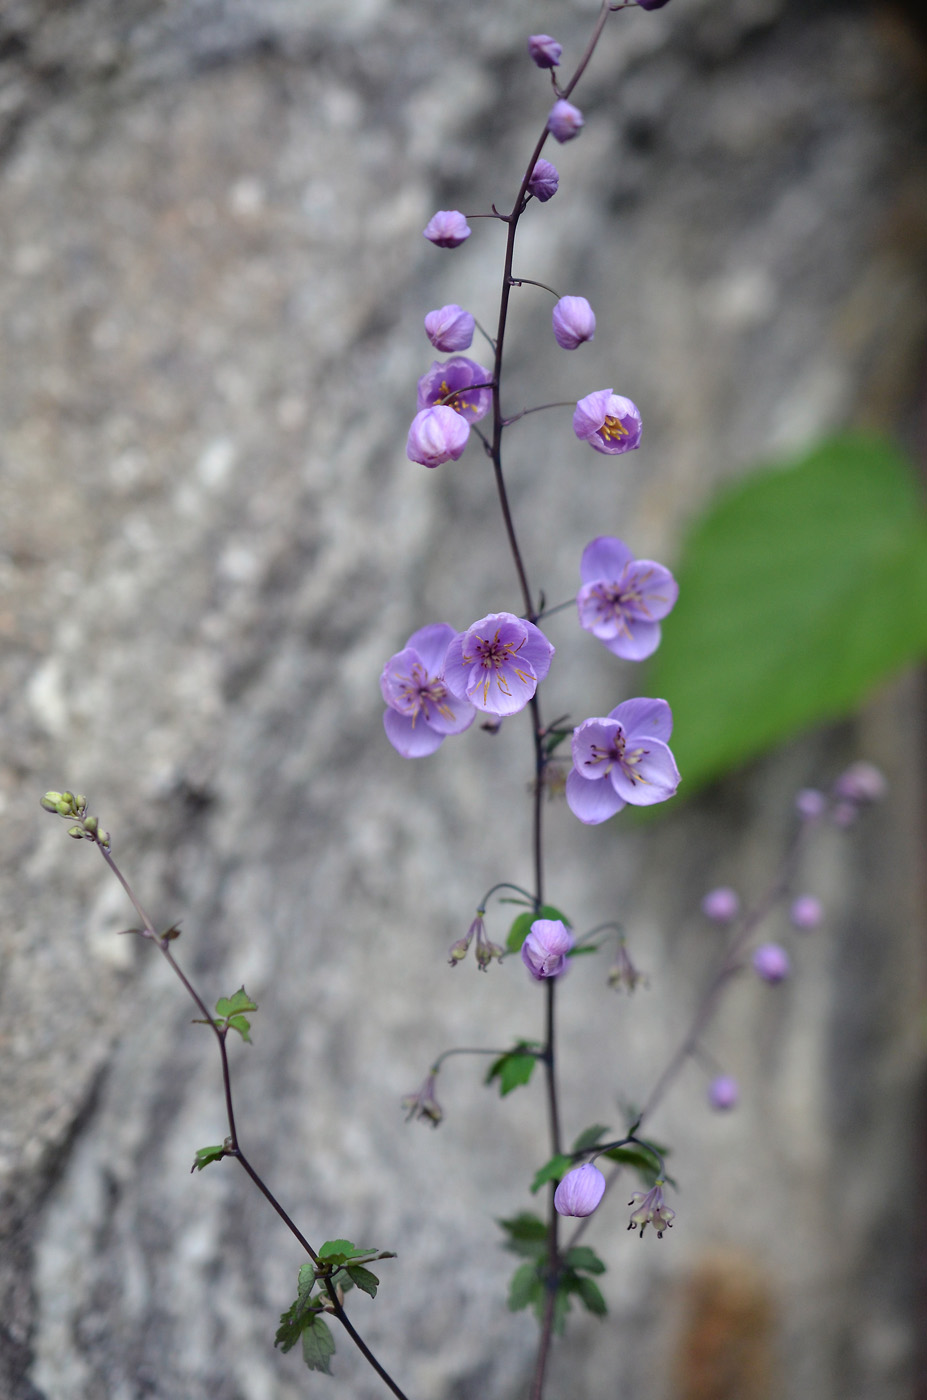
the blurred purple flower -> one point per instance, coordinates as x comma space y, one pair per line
544, 951
544, 50
447, 229
580, 1191
651, 1210
723, 1092
608, 422
449, 384
437, 435
497, 663
544, 181
810, 804
652, 4
574, 322
806, 912
862, 782
564, 121
622, 758
421, 711
623, 598
771, 962
450, 328
722, 905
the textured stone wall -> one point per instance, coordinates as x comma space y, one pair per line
211, 293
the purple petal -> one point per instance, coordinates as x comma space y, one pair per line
589, 414
656, 776
504, 690
437, 435
537, 650
431, 643
604, 557
453, 715
394, 676
636, 640
655, 588
653, 718
591, 802
593, 734
456, 675
412, 740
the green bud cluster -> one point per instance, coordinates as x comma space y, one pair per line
74, 805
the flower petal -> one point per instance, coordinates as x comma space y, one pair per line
591, 802
604, 557
656, 776
593, 741
651, 588
651, 717
635, 641
431, 643
412, 740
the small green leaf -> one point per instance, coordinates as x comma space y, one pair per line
514, 1068
526, 1288
553, 1170
242, 1025
205, 1155
527, 1235
581, 951
338, 1251
582, 1257
318, 1345
295, 1318
561, 1308
590, 1296
641, 1161
231, 1006
590, 1137
522, 925
363, 1279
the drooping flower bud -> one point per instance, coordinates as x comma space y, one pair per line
450, 328
652, 4
544, 50
447, 229
722, 905
623, 974
544, 951
574, 322
423, 1104
723, 1093
580, 1191
544, 181
806, 912
437, 435
564, 121
771, 962
651, 1210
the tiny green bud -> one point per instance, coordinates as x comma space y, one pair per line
77, 832
80, 802
68, 797
91, 825
50, 801
63, 808
103, 838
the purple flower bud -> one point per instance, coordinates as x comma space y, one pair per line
608, 422
806, 912
580, 1191
544, 181
652, 4
450, 328
437, 435
544, 50
862, 782
810, 804
564, 121
574, 322
544, 950
723, 1092
771, 962
448, 228
651, 1210
721, 905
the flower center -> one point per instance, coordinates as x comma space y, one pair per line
451, 398
421, 690
496, 659
613, 428
617, 752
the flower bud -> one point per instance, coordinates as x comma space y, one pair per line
722, 905
437, 435
450, 328
810, 804
544, 50
806, 912
448, 228
564, 121
50, 801
544, 950
77, 832
652, 4
771, 962
544, 181
862, 782
580, 1191
723, 1092
574, 322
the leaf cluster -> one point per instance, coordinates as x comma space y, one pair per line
531, 1282
342, 1266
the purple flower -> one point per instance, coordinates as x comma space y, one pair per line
574, 322
450, 328
544, 50
810, 804
564, 121
806, 912
723, 1092
544, 951
449, 384
421, 711
862, 782
544, 181
622, 758
497, 663
580, 1191
423, 1104
448, 228
437, 435
608, 422
771, 962
722, 905
622, 598
652, 4
651, 1210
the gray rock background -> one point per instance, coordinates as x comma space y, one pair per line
211, 293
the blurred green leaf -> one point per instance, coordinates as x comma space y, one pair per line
553, 1170
513, 1069
527, 1235
800, 590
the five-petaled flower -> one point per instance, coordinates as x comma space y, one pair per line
580, 1191
447, 229
423, 1104
622, 758
497, 663
544, 951
609, 422
623, 598
651, 1210
421, 711
449, 384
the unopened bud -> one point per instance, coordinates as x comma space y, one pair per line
771, 962
77, 832
50, 801
91, 825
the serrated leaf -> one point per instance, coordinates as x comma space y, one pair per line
363, 1279
590, 1137
800, 589
525, 1288
318, 1345
527, 1235
238, 1002
553, 1170
205, 1155
582, 1257
522, 925
337, 1251
590, 1297
294, 1319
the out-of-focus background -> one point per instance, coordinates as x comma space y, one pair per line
212, 287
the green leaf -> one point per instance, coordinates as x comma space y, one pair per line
242, 1025
514, 1068
231, 1006
635, 1157
799, 591
590, 1137
527, 1235
342, 1251
205, 1155
318, 1345
363, 1279
582, 1257
553, 1170
590, 1296
297, 1316
526, 1288
522, 925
